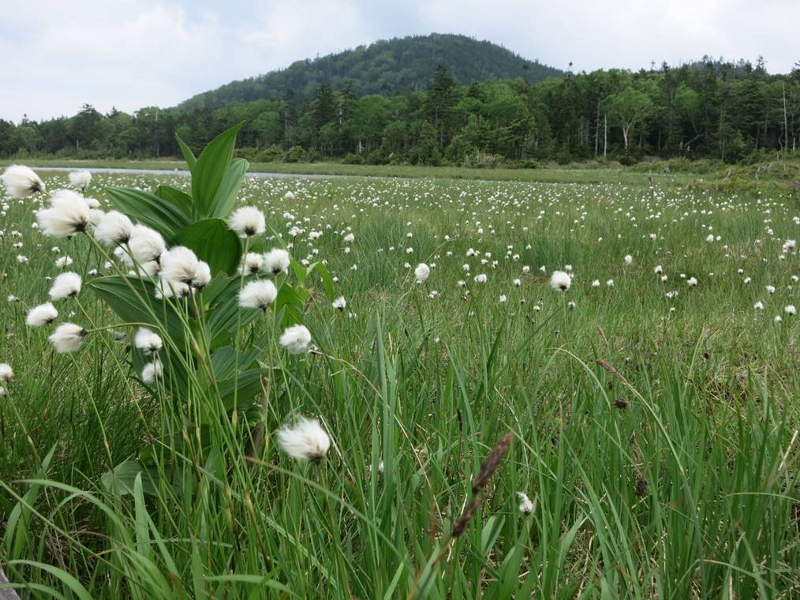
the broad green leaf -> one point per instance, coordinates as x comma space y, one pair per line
214, 243
226, 314
134, 301
179, 199
210, 170
299, 270
241, 389
188, 155
148, 209
122, 479
224, 360
325, 276
290, 303
225, 199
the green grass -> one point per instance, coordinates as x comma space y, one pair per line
674, 475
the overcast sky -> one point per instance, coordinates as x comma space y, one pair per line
60, 54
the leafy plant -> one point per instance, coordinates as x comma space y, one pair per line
211, 368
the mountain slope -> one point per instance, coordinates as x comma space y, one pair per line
384, 67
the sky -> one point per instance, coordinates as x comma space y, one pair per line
128, 54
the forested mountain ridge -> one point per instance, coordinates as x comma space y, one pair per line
713, 109
385, 67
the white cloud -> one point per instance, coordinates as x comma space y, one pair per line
135, 53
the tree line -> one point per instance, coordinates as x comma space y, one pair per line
709, 109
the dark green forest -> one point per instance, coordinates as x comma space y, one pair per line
346, 107
386, 67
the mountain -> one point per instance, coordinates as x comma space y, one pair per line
384, 67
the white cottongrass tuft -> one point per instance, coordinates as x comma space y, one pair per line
202, 275
305, 440
148, 341
68, 214
258, 294
21, 181
422, 272
44, 314
113, 228
596, 283
348, 239
80, 179
758, 305
145, 244
276, 261
789, 309
480, 278
340, 303
66, 285
525, 504
171, 289
180, 265
560, 281
628, 259
296, 339
247, 221
64, 261
152, 371
67, 338
691, 282
6, 373
252, 263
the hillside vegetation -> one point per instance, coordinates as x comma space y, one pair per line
385, 67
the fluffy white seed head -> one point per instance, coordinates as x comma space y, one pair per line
147, 341
422, 272
247, 221
66, 285
789, 309
276, 261
560, 281
68, 214
113, 228
296, 339
21, 181
258, 294
67, 338
145, 244
305, 440
252, 263
171, 289
80, 179
6, 373
44, 314
152, 371
340, 303
180, 265
202, 275
525, 504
